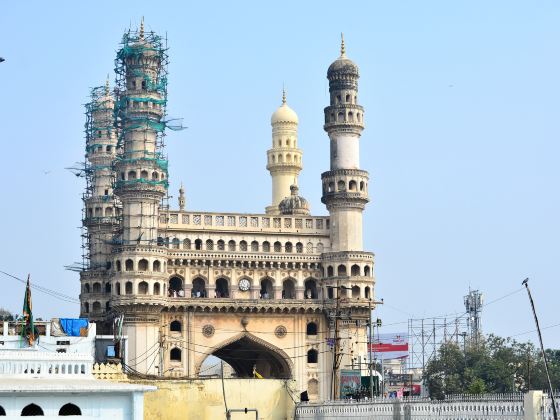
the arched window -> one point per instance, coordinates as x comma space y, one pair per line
96, 287
330, 292
340, 117
198, 244
231, 246
175, 243
310, 289
143, 288
107, 287
331, 187
288, 247
118, 265
107, 306
341, 270
144, 174
175, 284
288, 289
299, 248
70, 410
32, 410
157, 266
131, 175
222, 288
157, 289
243, 246
118, 288
367, 271
355, 270
199, 288
175, 355
367, 292
96, 307
129, 265
352, 185
128, 288
175, 326
254, 246
155, 176
330, 271
341, 185
309, 248
313, 387
350, 117
361, 185
267, 290
209, 245
266, 246
160, 241
355, 292
320, 246
277, 247
186, 244
312, 356
221, 245
86, 307
86, 288
311, 328
143, 265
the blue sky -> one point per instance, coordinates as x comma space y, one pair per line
461, 140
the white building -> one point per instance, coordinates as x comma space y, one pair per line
53, 384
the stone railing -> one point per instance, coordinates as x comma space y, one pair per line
108, 371
462, 407
42, 363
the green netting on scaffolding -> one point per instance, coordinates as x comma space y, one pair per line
121, 182
161, 163
159, 85
93, 147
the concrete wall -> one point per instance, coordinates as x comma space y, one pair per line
203, 399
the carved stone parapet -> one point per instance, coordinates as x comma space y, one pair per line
343, 256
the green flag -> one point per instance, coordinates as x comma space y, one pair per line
27, 326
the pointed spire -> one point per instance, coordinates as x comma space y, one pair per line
283, 96
342, 46
182, 200
142, 28
107, 88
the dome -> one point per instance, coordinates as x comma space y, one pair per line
294, 204
343, 65
284, 113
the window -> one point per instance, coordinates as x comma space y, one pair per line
311, 328
199, 288
311, 289
32, 410
231, 246
222, 289
288, 223
129, 265
186, 244
208, 219
254, 246
107, 287
254, 222
367, 271
209, 245
219, 220
243, 221
288, 247
352, 185
128, 288
157, 266
157, 289
2, 411
299, 224
266, 222
330, 271
288, 289
341, 270
198, 244
243, 246
312, 356
266, 246
355, 270
221, 245
320, 247
175, 355
367, 292
143, 288
276, 222
174, 218
355, 292
196, 219
70, 410
299, 248
231, 220
175, 326
309, 248
267, 290
313, 387
186, 218
319, 223
86, 288
277, 247
175, 284
309, 223
143, 265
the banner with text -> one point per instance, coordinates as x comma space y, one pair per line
389, 346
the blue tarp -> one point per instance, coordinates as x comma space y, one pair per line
71, 326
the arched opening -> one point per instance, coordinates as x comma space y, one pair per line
288, 289
143, 265
341, 185
157, 266
198, 244
96, 307
86, 288
266, 246
186, 244
209, 245
340, 117
131, 175
32, 410
330, 292
144, 174
243, 246
341, 270
175, 286
355, 292
288, 247
299, 248
175, 355
254, 246
86, 307
2, 411
129, 265
367, 271
118, 288
267, 290
107, 287
330, 271
331, 187
175, 243
313, 387
70, 410
119, 265
199, 288
231, 246
157, 289
107, 306
311, 328
221, 245
248, 355
96, 287
143, 288
128, 288
222, 288
350, 117
361, 185
175, 326
155, 176
312, 356
277, 247
352, 185
367, 292
355, 270
311, 289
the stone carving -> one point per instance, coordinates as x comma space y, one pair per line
280, 331
208, 330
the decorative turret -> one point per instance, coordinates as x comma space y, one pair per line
294, 204
284, 158
182, 201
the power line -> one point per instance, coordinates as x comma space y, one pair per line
50, 292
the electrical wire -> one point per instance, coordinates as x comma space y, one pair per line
50, 292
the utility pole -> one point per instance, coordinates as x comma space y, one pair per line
370, 348
526, 284
160, 353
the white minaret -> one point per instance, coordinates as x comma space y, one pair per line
284, 158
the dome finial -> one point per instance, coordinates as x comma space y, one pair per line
283, 95
107, 89
342, 47
142, 28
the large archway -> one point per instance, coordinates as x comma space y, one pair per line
247, 354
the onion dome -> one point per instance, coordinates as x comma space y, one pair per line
294, 204
343, 65
284, 113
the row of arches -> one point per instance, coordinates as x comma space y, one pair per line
344, 116
35, 410
177, 326
96, 308
142, 265
99, 148
108, 211
288, 142
142, 174
342, 271
96, 288
341, 186
284, 158
243, 246
347, 99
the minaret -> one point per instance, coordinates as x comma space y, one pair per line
284, 158
140, 276
182, 200
345, 185
101, 208
348, 270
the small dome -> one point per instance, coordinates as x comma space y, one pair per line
343, 65
284, 113
294, 204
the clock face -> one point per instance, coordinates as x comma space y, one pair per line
244, 285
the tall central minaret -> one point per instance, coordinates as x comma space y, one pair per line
284, 158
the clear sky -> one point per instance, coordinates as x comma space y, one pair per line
461, 105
